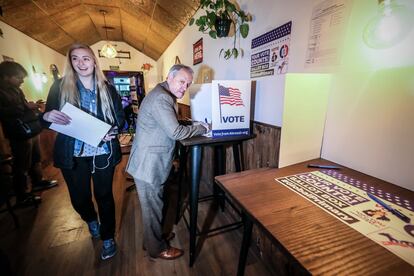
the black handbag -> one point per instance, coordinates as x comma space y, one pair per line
26, 126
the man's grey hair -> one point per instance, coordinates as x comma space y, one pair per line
177, 67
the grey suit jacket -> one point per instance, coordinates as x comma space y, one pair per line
157, 130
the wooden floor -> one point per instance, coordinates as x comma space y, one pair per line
53, 240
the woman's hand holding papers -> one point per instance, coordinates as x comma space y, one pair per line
57, 117
111, 134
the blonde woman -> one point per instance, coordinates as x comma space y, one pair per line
85, 86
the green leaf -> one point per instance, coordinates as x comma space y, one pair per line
213, 34
230, 8
203, 19
244, 30
211, 17
218, 5
205, 3
191, 21
235, 53
227, 54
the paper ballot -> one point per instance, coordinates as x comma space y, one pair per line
83, 126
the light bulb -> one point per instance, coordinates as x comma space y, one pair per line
109, 51
390, 26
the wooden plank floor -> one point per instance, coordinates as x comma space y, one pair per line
53, 240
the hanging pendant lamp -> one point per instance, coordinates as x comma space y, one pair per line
108, 50
392, 23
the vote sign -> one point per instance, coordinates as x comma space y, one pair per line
230, 108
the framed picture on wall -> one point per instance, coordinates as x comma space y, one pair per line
198, 52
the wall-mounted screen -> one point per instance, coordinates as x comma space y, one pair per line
121, 80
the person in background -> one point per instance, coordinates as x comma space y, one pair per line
25, 152
129, 113
152, 153
84, 86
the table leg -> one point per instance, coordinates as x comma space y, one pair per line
236, 156
247, 236
182, 153
242, 167
195, 182
219, 169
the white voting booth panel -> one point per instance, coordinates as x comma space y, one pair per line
225, 104
200, 102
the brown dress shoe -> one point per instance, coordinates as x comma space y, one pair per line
170, 253
168, 237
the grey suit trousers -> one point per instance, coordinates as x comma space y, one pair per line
151, 199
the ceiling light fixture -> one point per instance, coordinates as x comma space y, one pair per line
392, 23
108, 50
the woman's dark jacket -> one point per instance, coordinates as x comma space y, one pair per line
64, 145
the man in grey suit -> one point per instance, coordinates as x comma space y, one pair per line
151, 157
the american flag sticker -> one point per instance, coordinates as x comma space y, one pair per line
230, 96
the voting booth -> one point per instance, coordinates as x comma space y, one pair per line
225, 104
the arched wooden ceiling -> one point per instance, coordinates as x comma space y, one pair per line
147, 25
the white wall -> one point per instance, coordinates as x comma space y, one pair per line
29, 52
133, 64
382, 146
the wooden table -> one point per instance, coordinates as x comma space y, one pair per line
195, 144
317, 241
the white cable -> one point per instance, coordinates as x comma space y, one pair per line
107, 160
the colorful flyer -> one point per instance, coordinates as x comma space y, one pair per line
347, 200
270, 52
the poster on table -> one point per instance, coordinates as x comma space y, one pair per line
198, 52
347, 199
270, 52
230, 108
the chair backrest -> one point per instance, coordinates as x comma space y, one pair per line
6, 177
4, 143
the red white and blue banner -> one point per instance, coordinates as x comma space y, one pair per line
231, 108
270, 52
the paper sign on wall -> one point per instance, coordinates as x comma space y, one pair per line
230, 108
270, 52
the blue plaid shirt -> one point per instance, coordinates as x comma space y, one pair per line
88, 101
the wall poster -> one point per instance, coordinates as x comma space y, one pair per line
198, 52
326, 34
270, 52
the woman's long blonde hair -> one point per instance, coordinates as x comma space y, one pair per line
69, 91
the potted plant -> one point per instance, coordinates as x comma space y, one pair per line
220, 15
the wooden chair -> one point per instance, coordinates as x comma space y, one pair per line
6, 180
